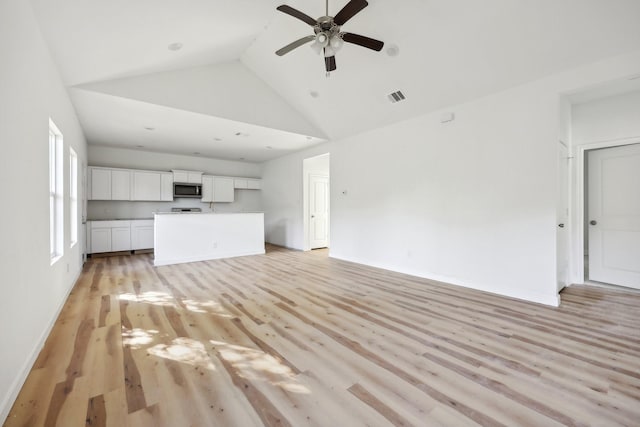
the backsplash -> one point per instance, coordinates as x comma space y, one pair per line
246, 201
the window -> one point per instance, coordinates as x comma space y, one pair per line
56, 201
73, 197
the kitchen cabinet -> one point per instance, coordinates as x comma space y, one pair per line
142, 234
110, 236
254, 184
217, 189
223, 189
110, 184
247, 183
166, 186
100, 184
240, 183
207, 189
190, 177
146, 185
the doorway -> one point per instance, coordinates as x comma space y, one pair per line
316, 202
612, 215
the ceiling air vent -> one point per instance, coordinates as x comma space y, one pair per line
396, 97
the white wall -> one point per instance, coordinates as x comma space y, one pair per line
32, 290
471, 202
607, 119
283, 198
600, 123
245, 200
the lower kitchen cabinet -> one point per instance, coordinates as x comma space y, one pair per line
142, 234
120, 235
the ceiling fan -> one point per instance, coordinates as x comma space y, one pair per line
328, 35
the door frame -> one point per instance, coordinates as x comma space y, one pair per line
580, 153
306, 244
311, 175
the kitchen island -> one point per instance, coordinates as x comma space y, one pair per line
189, 237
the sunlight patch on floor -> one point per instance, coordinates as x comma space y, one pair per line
184, 350
254, 364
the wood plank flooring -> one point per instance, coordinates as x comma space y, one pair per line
298, 339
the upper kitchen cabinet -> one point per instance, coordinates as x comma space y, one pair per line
110, 184
247, 183
147, 185
188, 177
223, 189
254, 184
217, 189
166, 187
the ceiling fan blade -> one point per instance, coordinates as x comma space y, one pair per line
297, 14
330, 63
349, 11
288, 48
363, 41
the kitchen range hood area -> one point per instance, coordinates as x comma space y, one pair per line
192, 215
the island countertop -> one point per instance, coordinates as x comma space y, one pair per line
198, 236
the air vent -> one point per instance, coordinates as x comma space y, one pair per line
396, 97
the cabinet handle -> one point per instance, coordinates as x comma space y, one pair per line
593, 222
561, 225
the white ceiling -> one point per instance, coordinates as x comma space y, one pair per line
113, 56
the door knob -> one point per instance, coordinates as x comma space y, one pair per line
593, 222
561, 225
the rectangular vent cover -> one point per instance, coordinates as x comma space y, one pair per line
396, 97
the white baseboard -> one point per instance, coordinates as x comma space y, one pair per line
545, 299
158, 262
23, 373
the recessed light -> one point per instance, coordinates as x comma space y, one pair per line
314, 94
197, 153
139, 146
150, 128
309, 138
241, 158
268, 147
217, 139
636, 77
175, 46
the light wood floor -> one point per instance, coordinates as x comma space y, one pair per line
297, 339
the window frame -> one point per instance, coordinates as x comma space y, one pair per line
56, 193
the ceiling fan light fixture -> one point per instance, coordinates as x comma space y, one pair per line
336, 43
329, 51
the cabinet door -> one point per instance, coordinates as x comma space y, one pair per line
121, 239
254, 184
141, 237
166, 187
207, 189
100, 184
223, 189
180, 176
146, 186
120, 184
100, 240
194, 178
240, 183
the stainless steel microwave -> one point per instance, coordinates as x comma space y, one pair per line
187, 190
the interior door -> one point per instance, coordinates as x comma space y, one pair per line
318, 211
562, 216
614, 215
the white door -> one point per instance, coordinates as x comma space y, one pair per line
614, 215
318, 211
562, 218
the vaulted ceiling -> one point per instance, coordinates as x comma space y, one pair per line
225, 94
